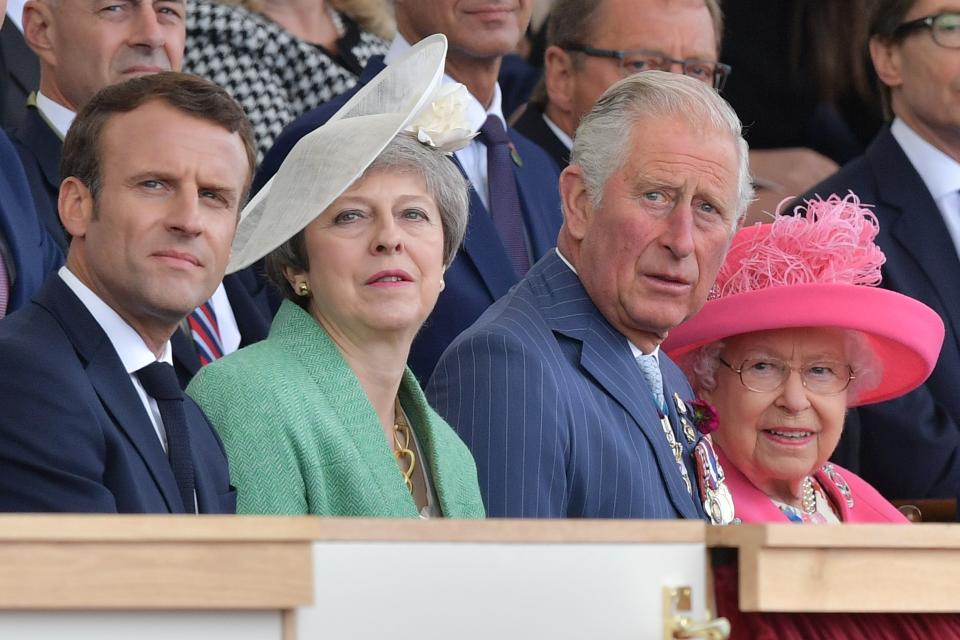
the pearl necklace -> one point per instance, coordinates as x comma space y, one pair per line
809, 498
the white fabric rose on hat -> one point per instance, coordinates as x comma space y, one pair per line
442, 123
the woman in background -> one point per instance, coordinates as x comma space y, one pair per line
281, 58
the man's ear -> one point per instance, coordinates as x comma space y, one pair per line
558, 76
577, 208
887, 62
39, 29
76, 207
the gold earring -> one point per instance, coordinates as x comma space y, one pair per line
303, 288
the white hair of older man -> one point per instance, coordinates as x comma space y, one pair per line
601, 144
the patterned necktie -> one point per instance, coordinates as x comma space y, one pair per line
206, 333
4, 287
650, 369
504, 197
160, 382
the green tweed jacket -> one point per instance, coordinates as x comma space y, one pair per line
302, 437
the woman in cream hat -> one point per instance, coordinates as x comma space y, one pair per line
323, 417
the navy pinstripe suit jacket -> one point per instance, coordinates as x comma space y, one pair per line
548, 397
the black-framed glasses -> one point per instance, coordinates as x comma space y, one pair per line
636, 60
763, 375
944, 27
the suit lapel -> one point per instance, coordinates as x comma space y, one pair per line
919, 228
21, 62
606, 356
44, 143
111, 381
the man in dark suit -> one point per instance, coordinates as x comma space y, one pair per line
514, 205
26, 253
560, 389
92, 416
19, 69
910, 447
584, 38
81, 51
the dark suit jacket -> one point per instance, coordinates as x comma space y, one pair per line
531, 125
910, 446
40, 149
32, 254
19, 75
547, 395
481, 272
75, 435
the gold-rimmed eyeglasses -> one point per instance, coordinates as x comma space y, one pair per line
763, 375
637, 60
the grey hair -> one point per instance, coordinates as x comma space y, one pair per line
601, 144
701, 365
444, 182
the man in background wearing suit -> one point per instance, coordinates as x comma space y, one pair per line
594, 43
83, 47
910, 174
93, 418
26, 253
19, 68
514, 205
560, 389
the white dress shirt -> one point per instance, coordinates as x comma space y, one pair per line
130, 347
15, 13
57, 116
560, 133
473, 157
939, 172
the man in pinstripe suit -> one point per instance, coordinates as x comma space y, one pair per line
546, 388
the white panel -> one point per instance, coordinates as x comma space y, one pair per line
140, 625
472, 591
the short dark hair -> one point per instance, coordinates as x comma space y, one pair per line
886, 17
573, 22
184, 92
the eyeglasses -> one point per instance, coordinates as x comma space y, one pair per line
944, 27
763, 375
637, 60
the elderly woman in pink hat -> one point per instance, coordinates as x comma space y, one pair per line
795, 332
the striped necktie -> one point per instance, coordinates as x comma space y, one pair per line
206, 333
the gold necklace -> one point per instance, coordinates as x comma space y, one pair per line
403, 440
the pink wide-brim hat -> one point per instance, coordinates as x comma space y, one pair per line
818, 270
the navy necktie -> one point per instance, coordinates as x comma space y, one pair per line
160, 382
504, 197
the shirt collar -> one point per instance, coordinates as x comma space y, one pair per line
59, 117
560, 133
939, 172
133, 351
476, 113
634, 349
15, 13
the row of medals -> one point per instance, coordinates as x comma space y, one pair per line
717, 500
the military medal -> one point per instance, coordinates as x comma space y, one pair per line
677, 449
716, 497
689, 432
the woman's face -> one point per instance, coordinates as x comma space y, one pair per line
376, 257
777, 437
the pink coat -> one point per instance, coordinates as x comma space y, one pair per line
752, 505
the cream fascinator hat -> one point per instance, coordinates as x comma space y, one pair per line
405, 96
